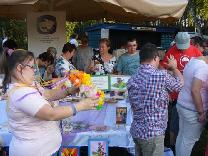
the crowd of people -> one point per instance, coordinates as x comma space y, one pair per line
165, 93
151, 89
84, 58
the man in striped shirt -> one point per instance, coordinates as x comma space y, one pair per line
148, 94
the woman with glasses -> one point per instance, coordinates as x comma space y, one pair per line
32, 118
103, 62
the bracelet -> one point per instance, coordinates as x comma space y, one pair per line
74, 110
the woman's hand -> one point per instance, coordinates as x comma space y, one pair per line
91, 67
87, 104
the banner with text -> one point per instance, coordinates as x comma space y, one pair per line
46, 29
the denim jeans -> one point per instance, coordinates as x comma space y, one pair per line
189, 131
174, 123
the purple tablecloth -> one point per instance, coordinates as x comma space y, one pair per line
117, 135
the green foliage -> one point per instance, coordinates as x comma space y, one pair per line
70, 26
201, 8
16, 30
196, 16
77, 27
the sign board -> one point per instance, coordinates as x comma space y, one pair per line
102, 82
143, 28
111, 82
104, 33
46, 29
119, 82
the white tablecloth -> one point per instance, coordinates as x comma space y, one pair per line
118, 136
5, 135
106, 116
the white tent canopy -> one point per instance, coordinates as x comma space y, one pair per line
80, 10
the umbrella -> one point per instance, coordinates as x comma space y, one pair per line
132, 11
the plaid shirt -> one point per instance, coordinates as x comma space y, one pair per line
148, 94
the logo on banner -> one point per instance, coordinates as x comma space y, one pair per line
46, 24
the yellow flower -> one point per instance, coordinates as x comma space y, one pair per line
85, 80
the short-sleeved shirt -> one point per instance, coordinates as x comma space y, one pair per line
128, 64
194, 69
63, 66
148, 95
31, 136
82, 58
182, 59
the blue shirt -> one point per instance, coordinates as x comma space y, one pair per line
39, 73
127, 64
42, 71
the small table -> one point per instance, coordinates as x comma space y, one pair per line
118, 136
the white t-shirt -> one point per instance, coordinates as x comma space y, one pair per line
194, 69
31, 136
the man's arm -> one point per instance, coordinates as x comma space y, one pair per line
165, 60
195, 92
178, 74
175, 82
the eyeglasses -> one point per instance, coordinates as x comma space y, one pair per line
32, 67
